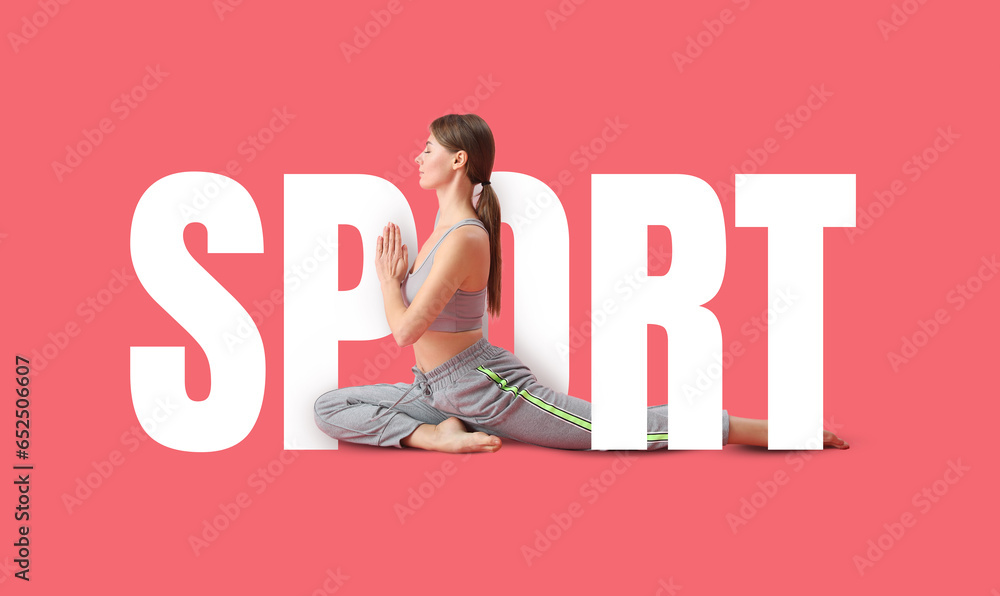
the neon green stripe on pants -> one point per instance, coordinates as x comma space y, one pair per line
523, 393
550, 408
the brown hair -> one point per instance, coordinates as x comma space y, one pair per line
470, 133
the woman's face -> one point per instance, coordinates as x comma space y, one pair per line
436, 164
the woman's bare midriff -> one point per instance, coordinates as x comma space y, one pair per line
434, 348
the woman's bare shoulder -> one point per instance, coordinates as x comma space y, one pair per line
466, 241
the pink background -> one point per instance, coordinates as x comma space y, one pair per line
665, 518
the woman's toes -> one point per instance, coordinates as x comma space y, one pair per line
834, 441
485, 442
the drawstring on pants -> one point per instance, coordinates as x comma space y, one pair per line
419, 383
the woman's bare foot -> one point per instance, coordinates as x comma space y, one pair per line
451, 436
834, 441
752, 431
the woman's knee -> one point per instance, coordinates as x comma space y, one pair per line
332, 401
344, 397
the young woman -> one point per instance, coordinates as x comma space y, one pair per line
467, 394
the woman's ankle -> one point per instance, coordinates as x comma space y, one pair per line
421, 437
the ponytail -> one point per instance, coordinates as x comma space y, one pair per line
470, 133
488, 211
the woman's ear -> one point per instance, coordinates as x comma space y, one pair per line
460, 158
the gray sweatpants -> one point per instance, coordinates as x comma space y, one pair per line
487, 388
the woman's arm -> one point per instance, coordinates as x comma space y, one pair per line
459, 254
395, 310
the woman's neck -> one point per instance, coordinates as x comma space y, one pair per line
455, 203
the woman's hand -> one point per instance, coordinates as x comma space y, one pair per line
391, 260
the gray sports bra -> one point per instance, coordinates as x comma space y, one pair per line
464, 311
